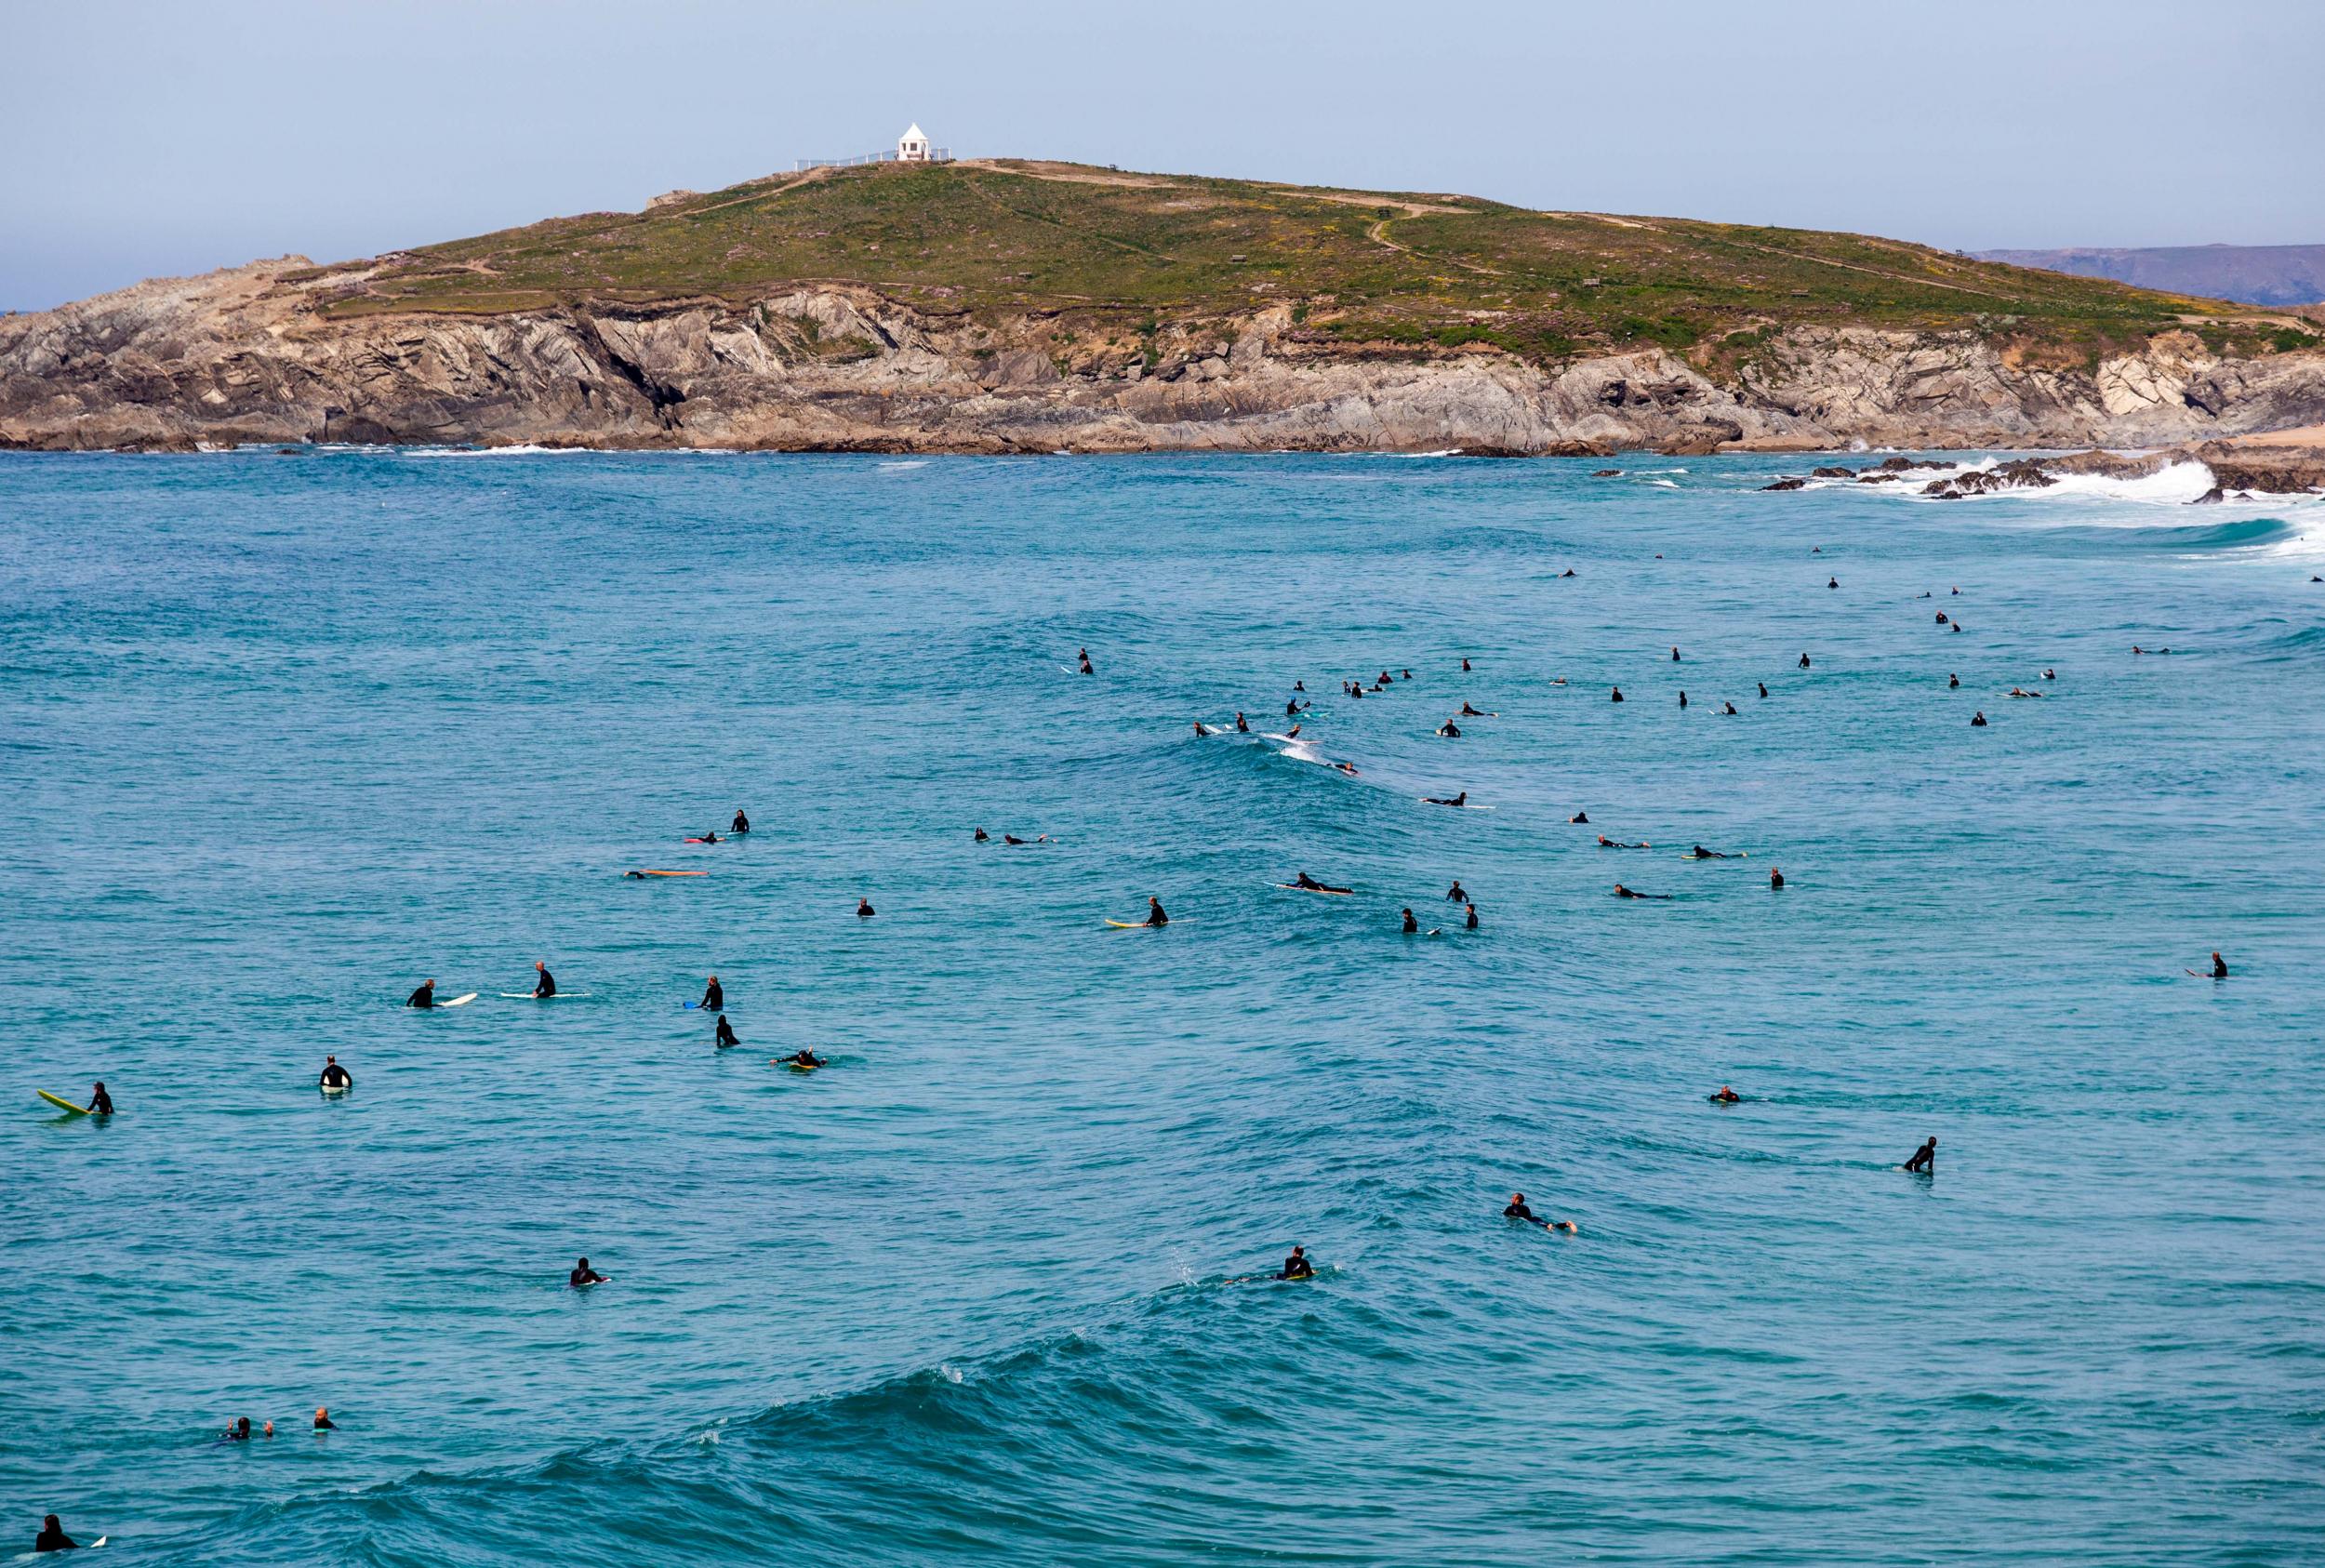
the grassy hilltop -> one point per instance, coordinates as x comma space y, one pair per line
1115, 253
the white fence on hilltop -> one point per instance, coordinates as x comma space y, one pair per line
935, 155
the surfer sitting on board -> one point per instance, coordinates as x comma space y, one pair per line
1450, 730
1154, 913
424, 997
1311, 884
1473, 921
583, 1276
1455, 894
1411, 927
1518, 1210
546, 987
1241, 726
99, 1102
742, 823
1924, 1159
2219, 967
53, 1538
714, 997
1461, 798
725, 1035
336, 1076
864, 909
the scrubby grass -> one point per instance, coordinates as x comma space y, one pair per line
1126, 257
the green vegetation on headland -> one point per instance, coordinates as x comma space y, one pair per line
1098, 251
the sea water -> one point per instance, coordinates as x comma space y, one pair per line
281, 735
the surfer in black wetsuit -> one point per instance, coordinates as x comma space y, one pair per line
1763, 687
1580, 817
424, 997
1776, 880
1518, 1209
1605, 842
322, 1420
1622, 892
1804, 661
546, 987
336, 1076
1084, 655
742, 823
1311, 884
583, 1276
239, 1432
2219, 969
1296, 1267
1618, 695
1675, 656
1461, 798
803, 1057
1154, 912
984, 837
1470, 712
53, 1538
1726, 1096
1682, 699
1953, 683
1241, 727
1450, 730
1727, 708
1455, 895
1924, 1159
709, 837
1473, 921
864, 909
1411, 927
1465, 667
99, 1102
1012, 838
1977, 720
713, 996
1700, 853
725, 1034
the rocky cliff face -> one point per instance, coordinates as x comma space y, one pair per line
252, 354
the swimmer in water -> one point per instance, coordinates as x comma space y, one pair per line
1450, 730
1311, 884
1154, 912
583, 1276
1924, 1159
1296, 1267
742, 823
2050, 674
1408, 675
1472, 923
1977, 720
1682, 699
1465, 667
1726, 1096
336, 1076
1455, 895
1461, 798
1700, 853
1411, 927
99, 1102
545, 987
1776, 880
322, 1419
1763, 688
1579, 817
713, 996
724, 1036
1804, 661
1675, 656
424, 997
1605, 842
1518, 1210
1618, 695
1622, 892
239, 1432
1832, 582
1300, 686
1727, 708
1953, 682
864, 909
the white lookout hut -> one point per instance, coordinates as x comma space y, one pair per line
912, 146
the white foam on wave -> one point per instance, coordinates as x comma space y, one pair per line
916, 462
524, 450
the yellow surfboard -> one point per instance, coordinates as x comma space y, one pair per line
62, 1104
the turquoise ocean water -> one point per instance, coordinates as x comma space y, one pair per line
280, 737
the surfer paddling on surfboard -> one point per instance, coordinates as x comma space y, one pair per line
1306, 884
725, 1034
742, 823
1154, 912
1518, 1210
1461, 798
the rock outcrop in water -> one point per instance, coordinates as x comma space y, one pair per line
254, 354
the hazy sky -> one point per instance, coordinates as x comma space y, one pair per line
146, 137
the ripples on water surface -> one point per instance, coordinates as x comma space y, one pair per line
280, 737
